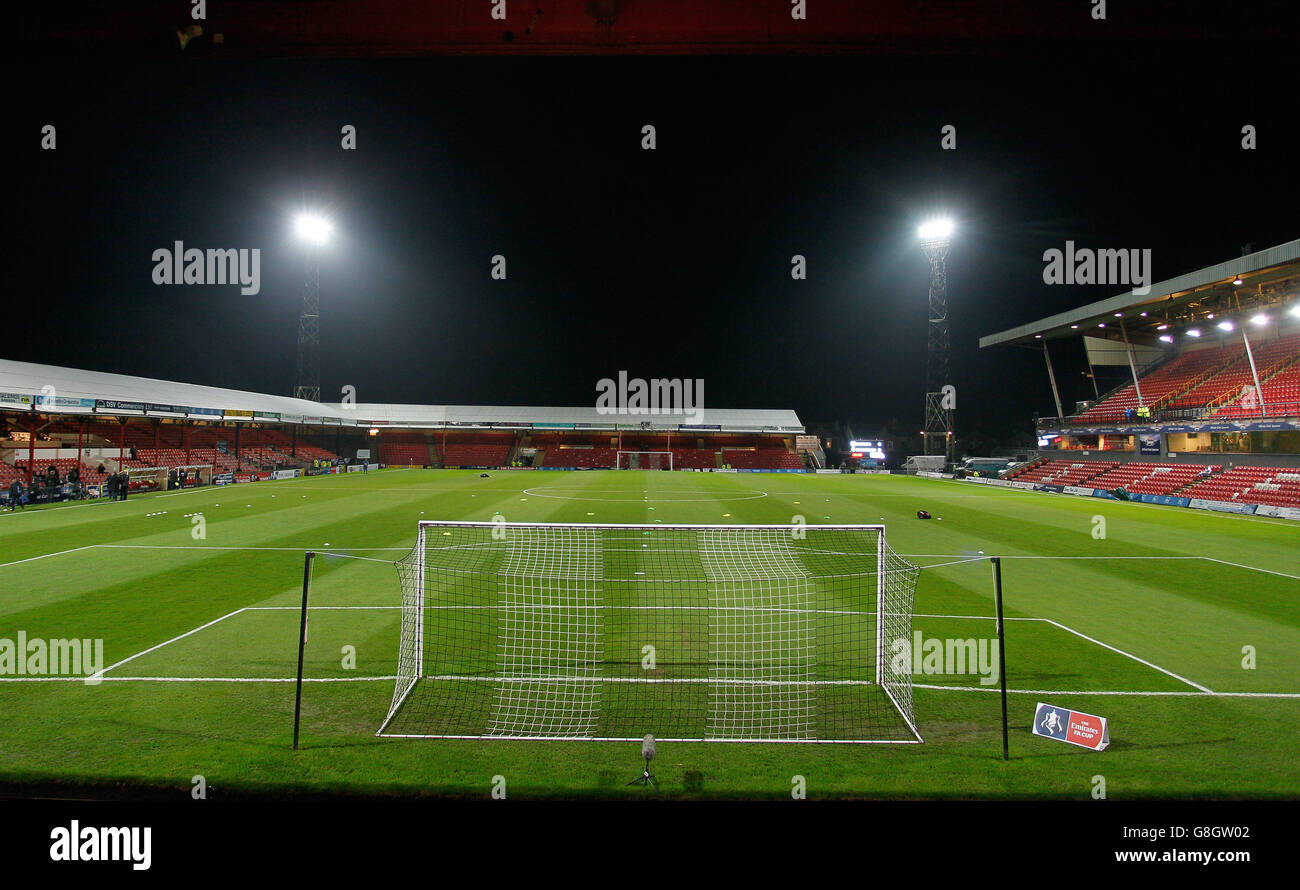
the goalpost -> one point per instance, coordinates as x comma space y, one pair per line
727, 633
645, 460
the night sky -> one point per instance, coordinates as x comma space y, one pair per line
666, 263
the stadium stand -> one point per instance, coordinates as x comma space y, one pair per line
1274, 486
461, 454
10, 474
1063, 472
694, 458
403, 449
1217, 378
1279, 388
1172, 379
1146, 478
1252, 485
586, 458
762, 459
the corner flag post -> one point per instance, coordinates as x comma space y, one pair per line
1002, 649
302, 642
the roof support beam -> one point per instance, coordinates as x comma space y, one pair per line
1051, 375
1132, 365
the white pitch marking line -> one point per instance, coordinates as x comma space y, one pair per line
214, 547
168, 642
46, 555
1175, 694
962, 556
1129, 655
310, 608
79, 679
1255, 568
972, 617
1251, 516
1032, 556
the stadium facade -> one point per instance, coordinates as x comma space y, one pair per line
1210, 360
1208, 416
102, 423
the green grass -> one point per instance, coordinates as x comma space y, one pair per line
1209, 585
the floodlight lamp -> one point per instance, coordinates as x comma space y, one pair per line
1194, 332
1259, 320
312, 229
936, 229
1225, 325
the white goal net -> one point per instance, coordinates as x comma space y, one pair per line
690, 633
645, 460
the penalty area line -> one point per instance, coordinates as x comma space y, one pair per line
1174, 694
92, 677
1130, 655
187, 633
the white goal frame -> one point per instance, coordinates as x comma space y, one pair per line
412, 667
618, 461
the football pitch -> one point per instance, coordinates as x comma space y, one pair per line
1179, 626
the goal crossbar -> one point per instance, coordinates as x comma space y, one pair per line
599, 631
618, 460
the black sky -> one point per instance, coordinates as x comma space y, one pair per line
666, 263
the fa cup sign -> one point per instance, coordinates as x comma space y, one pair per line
1064, 725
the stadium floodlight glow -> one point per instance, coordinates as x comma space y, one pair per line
312, 229
1162, 327
1295, 310
1225, 325
1237, 281
1258, 320
1194, 332
1165, 338
939, 229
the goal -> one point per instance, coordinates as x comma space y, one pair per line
645, 460
727, 633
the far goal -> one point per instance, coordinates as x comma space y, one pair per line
645, 460
726, 633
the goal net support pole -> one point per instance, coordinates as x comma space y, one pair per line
767, 633
1002, 648
308, 559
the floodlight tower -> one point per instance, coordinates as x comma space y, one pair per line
939, 405
314, 233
